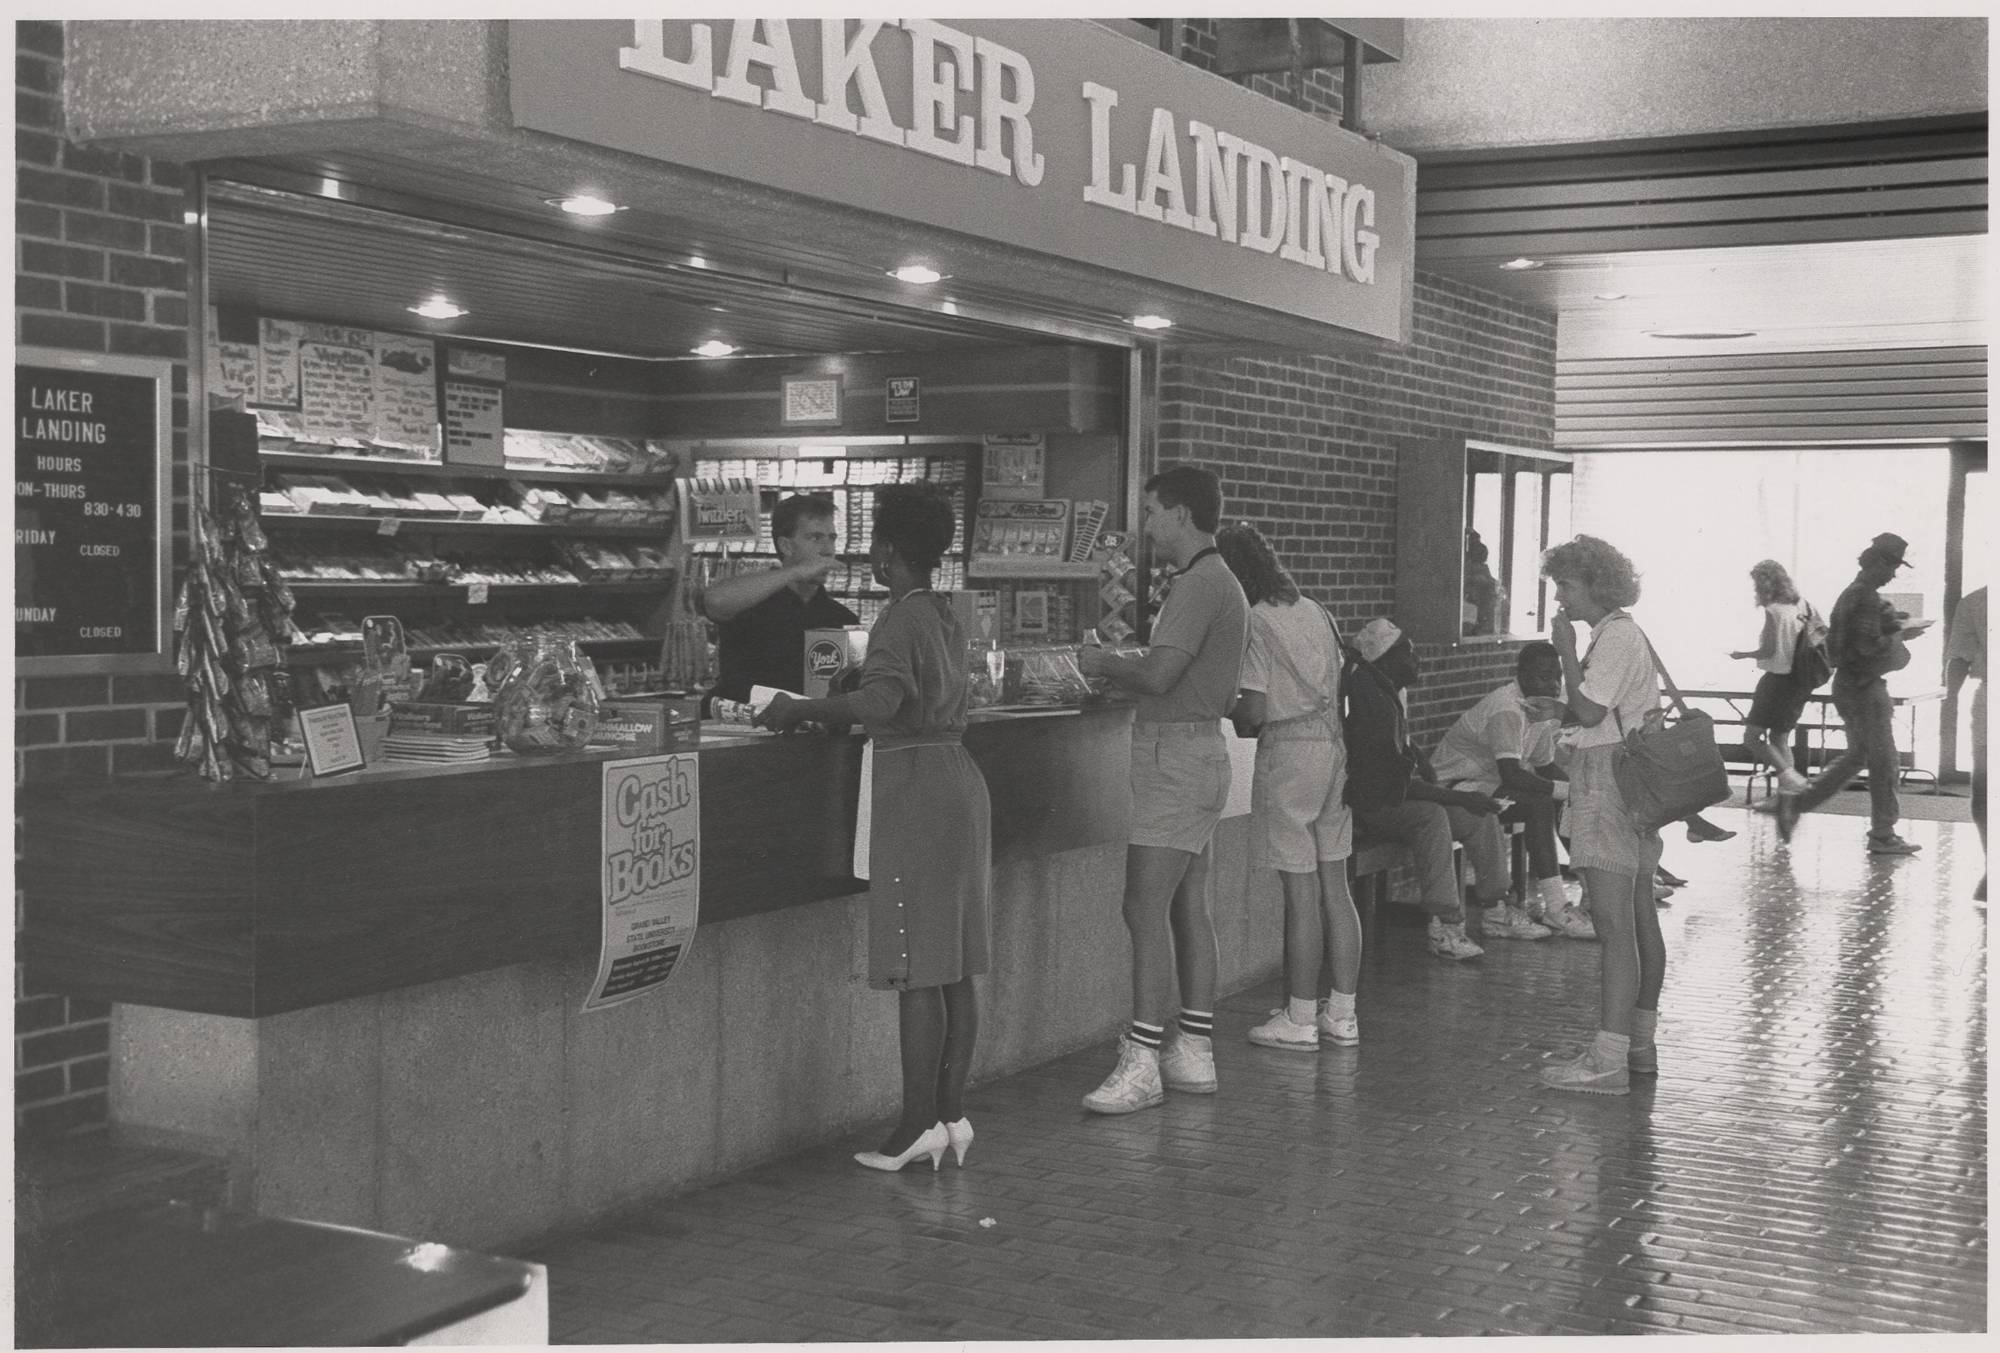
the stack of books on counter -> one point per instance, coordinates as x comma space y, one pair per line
452, 747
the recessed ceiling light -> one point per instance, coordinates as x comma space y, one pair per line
1610, 295
1521, 264
329, 187
916, 274
584, 204
1694, 334
1151, 322
190, 217
697, 261
437, 307
715, 347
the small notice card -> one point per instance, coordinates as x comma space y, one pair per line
332, 745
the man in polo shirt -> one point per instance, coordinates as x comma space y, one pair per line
762, 618
1505, 746
1180, 783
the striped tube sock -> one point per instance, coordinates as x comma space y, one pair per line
1147, 1035
1198, 1023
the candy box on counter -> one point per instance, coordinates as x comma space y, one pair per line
635, 725
828, 653
463, 717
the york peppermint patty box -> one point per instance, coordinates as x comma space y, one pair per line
828, 652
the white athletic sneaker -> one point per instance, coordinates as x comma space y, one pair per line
1342, 1029
1450, 941
1133, 1084
1590, 1075
1571, 923
1280, 1032
1511, 923
1187, 1063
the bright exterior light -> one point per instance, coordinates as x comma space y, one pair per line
917, 274
715, 347
585, 205
1151, 322
437, 307
1521, 264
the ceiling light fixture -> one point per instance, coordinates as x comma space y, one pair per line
715, 347
1610, 295
584, 204
1521, 264
1151, 322
329, 187
697, 261
916, 274
437, 307
1693, 335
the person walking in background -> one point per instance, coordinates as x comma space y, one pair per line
1505, 746
930, 825
1391, 788
1185, 682
1864, 643
1965, 656
1289, 701
1780, 696
1611, 687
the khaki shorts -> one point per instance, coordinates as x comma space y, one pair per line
1601, 834
1180, 784
1298, 820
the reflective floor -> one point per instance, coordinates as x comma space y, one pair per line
1812, 1158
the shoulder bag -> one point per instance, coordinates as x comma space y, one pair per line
1668, 770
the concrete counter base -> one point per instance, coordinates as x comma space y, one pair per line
486, 1110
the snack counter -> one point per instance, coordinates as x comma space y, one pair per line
254, 898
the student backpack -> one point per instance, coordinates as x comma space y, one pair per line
1811, 668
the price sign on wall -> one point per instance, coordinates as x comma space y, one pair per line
92, 441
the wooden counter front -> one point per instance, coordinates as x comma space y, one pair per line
252, 899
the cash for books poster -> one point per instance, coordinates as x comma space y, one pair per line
651, 874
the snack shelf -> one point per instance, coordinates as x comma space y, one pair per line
387, 591
1054, 569
328, 521
318, 655
430, 469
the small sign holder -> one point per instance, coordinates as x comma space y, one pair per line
333, 746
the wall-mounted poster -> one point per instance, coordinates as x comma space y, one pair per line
812, 399
1013, 465
92, 445
232, 363
902, 399
475, 414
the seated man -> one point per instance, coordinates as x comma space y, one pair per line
1391, 789
1505, 746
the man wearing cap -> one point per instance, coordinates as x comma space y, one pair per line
1864, 643
1390, 787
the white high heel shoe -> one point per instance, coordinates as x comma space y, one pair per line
960, 1135
930, 1142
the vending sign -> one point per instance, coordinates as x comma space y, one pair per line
91, 565
651, 876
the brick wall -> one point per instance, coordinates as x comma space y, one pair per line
100, 266
1307, 447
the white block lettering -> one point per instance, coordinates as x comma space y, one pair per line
845, 61
1098, 191
648, 55
934, 93
996, 110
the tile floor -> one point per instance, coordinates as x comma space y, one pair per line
1812, 1158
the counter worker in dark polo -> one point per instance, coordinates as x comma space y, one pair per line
1864, 643
1180, 784
762, 618
929, 840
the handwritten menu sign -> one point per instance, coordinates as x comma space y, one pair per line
278, 363
474, 408
337, 382
406, 386
91, 447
